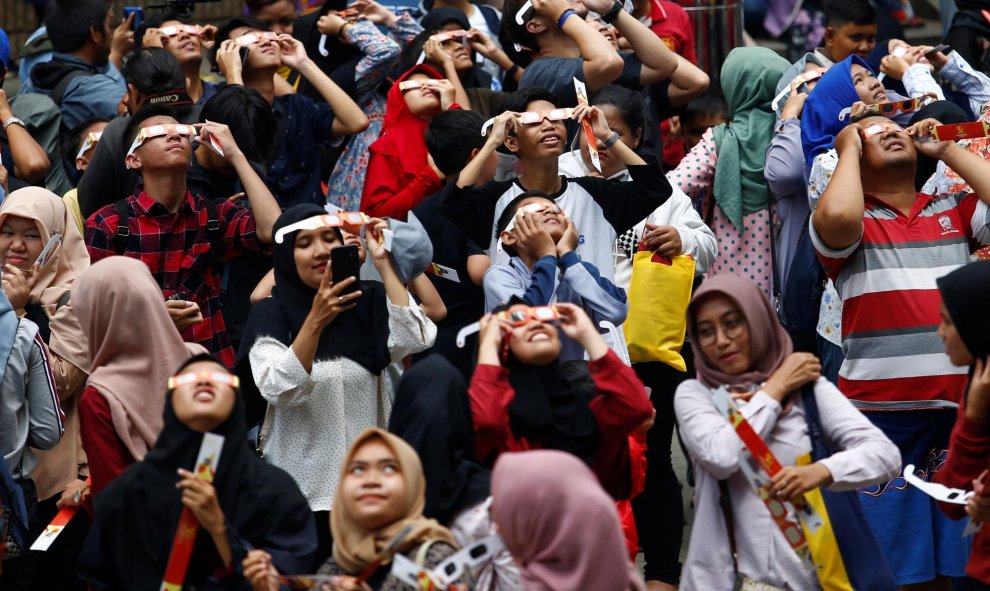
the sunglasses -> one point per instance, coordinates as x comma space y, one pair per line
960, 131
348, 220
252, 38
800, 79
154, 131
531, 208
878, 128
514, 318
91, 140
534, 117
175, 30
216, 377
888, 109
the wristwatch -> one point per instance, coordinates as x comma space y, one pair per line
611, 139
613, 13
13, 121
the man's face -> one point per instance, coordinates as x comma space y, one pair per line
171, 151
692, 128
262, 54
848, 39
885, 146
104, 40
184, 45
544, 139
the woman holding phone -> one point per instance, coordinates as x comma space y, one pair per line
316, 350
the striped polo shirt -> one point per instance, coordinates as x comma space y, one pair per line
890, 314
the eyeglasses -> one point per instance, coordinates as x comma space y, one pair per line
796, 83
515, 317
91, 140
732, 328
252, 38
960, 131
877, 128
888, 109
348, 220
215, 377
154, 131
531, 208
534, 117
175, 30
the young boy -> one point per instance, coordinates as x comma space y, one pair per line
545, 269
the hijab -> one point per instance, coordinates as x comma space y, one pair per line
8, 330
139, 511
432, 413
133, 344
402, 132
769, 343
560, 525
820, 117
965, 293
749, 78
67, 262
355, 547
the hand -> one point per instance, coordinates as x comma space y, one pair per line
293, 51
550, 9
503, 125
895, 67
978, 399
5, 111
434, 53
122, 39
794, 105
183, 313
207, 36
858, 109
17, 285
575, 323
663, 239
375, 12
482, 43
348, 584
978, 508
221, 133
376, 245
152, 37
259, 571
68, 497
599, 6
850, 140
797, 370
201, 498
924, 143
3, 180
329, 303
331, 25
793, 481
938, 59
490, 332
229, 61
531, 232
448, 94
599, 125
569, 240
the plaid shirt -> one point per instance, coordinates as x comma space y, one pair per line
176, 248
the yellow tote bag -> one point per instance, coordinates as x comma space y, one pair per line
659, 293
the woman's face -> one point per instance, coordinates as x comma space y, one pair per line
868, 88
203, 401
373, 490
723, 334
20, 242
534, 343
611, 164
279, 15
457, 49
955, 348
312, 254
423, 102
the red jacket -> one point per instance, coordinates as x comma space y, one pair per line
106, 453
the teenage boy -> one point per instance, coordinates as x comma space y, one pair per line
304, 125
601, 208
544, 268
182, 237
568, 47
884, 244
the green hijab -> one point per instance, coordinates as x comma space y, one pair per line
749, 80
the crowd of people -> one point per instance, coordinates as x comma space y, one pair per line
334, 297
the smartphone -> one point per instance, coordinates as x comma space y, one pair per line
939, 49
344, 263
47, 250
244, 53
138, 16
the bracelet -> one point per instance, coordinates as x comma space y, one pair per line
610, 16
13, 120
612, 139
511, 72
563, 17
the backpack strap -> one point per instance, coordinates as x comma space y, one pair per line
123, 230
213, 229
58, 93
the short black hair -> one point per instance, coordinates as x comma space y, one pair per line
155, 21
450, 138
137, 120
510, 212
253, 6
69, 21
249, 117
77, 137
519, 100
857, 12
628, 103
517, 33
709, 103
153, 70
409, 56
223, 32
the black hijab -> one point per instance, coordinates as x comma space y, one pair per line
138, 513
432, 413
965, 293
342, 58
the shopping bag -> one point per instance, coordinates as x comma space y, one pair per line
659, 293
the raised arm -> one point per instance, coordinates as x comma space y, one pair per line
838, 219
602, 64
659, 62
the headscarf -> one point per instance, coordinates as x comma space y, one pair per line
67, 262
402, 132
138, 513
749, 78
559, 524
769, 343
965, 293
355, 547
133, 345
432, 413
820, 117
8, 330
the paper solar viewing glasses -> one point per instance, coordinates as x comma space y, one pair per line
217, 377
514, 317
181, 129
348, 220
534, 117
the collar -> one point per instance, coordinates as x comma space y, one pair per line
74, 59
921, 200
145, 204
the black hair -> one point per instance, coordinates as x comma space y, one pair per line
450, 137
76, 136
69, 22
152, 70
709, 103
510, 211
136, 121
628, 103
253, 6
857, 12
517, 33
249, 117
411, 52
519, 100
223, 33
155, 21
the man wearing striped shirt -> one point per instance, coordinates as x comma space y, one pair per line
884, 244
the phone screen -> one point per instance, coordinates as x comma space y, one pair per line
344, 263
138, 15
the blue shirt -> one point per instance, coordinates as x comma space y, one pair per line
294, 170
86, 97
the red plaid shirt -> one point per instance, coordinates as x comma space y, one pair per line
176, 248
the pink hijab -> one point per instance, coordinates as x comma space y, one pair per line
134, 346
559, 524
769, 343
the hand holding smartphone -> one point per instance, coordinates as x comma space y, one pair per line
344, 263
